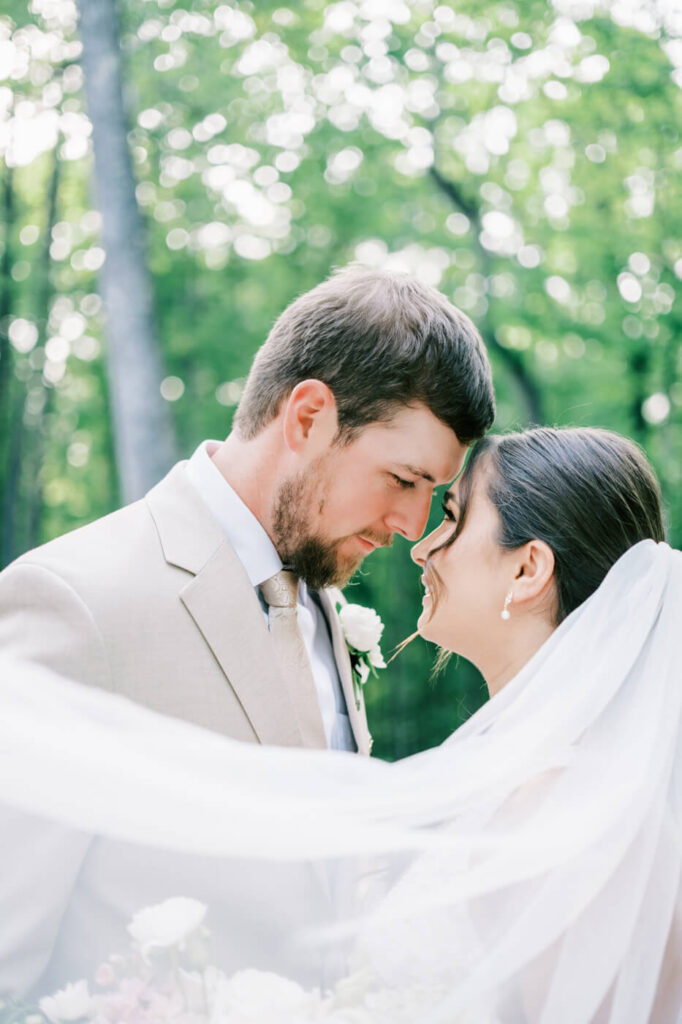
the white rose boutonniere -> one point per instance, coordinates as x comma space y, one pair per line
362, 629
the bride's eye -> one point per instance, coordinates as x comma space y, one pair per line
448, 513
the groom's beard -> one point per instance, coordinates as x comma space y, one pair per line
317, 560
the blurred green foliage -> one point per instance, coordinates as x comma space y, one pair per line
523, 157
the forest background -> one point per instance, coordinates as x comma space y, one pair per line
523, 157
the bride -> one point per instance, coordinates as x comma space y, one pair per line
527, 870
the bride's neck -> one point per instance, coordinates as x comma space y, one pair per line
521, 642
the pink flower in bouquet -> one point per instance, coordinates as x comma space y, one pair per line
124, 1003
105, 975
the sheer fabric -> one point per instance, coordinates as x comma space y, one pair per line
527, 870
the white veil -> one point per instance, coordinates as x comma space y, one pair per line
527, 870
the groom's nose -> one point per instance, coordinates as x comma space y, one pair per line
410, 517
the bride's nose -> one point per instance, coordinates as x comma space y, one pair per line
420, 552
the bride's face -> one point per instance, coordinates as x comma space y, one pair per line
467, 581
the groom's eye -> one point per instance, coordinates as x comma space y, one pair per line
406, 484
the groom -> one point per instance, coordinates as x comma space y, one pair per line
212, 599
362, 400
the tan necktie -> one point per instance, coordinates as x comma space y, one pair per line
281, 594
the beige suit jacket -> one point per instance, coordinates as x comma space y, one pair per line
152, 603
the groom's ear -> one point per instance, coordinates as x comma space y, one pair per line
534, 580
310, 421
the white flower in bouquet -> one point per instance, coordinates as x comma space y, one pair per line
166, 924
350, 990
73, 1002
351, 1015
138, 993
261, 997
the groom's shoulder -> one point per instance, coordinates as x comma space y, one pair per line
66, 595
94, 540
123, 543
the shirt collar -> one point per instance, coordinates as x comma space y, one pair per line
245, 533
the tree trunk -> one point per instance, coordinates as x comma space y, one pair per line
10, 424
527, 388
15, 448
143, 432
638, 373
34, 512
5, 304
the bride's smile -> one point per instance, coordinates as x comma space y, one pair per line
467, 579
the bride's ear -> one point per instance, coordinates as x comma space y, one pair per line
535, 572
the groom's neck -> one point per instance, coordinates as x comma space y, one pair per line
251, 469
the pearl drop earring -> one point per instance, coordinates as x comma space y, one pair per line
505, 613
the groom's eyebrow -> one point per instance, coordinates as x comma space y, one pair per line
418, 472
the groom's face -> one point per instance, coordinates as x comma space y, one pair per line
355, 497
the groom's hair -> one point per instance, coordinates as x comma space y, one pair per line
379, 340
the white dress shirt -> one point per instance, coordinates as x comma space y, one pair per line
259, 557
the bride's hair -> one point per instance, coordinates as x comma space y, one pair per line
589, 494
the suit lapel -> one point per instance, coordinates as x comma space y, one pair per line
224, 607
357, 717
